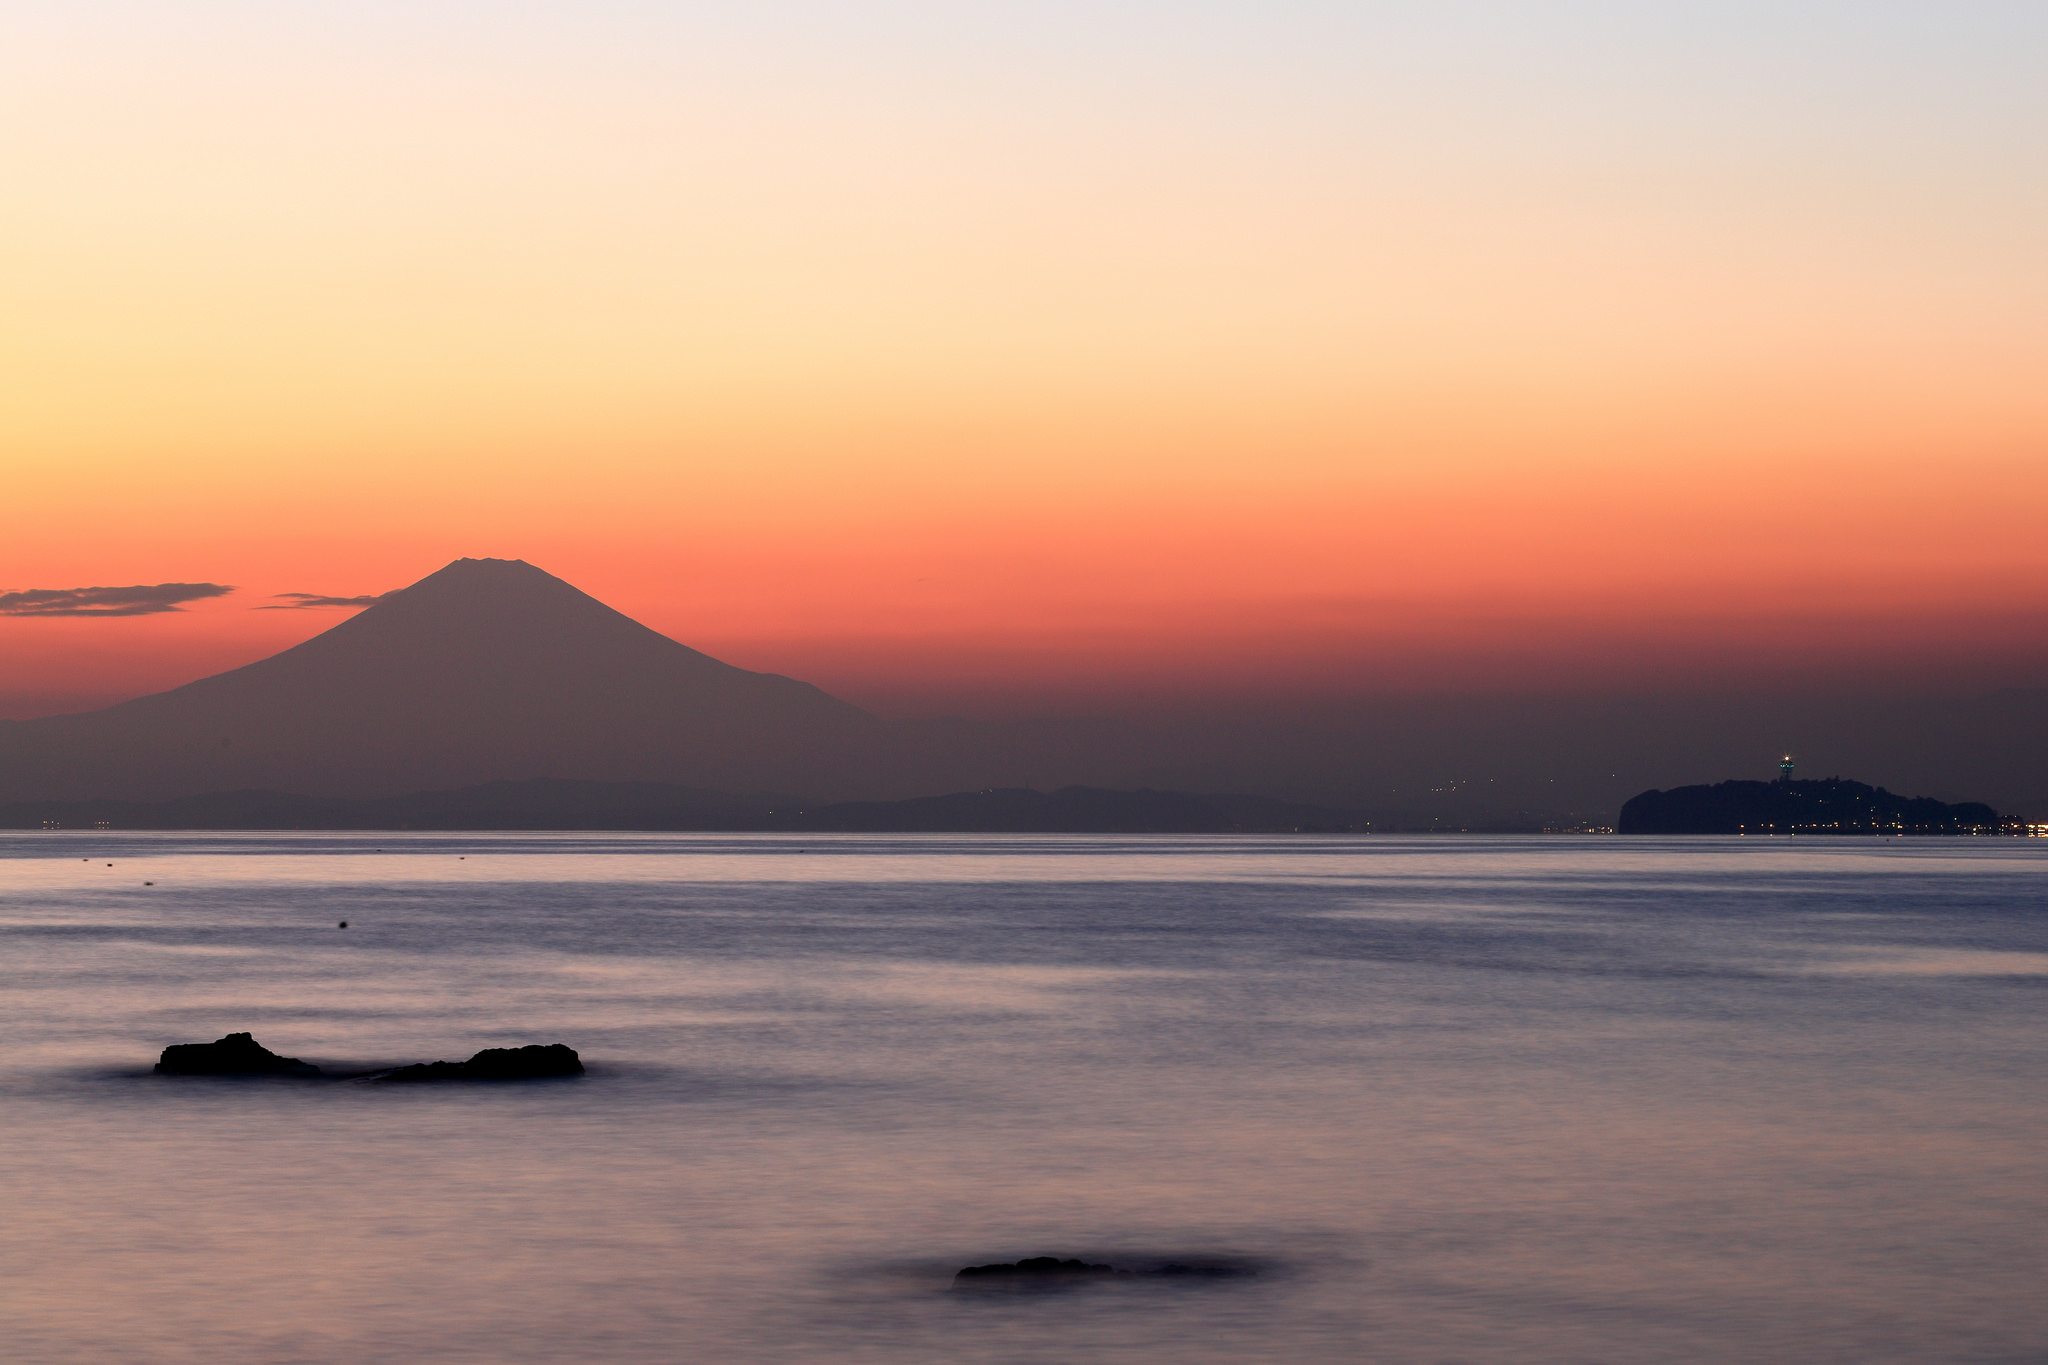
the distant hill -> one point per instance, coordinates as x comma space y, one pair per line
1832, 806
569, 805
487, 669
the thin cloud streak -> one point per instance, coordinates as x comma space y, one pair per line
142, 599
307, 601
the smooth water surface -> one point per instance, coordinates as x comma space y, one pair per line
1451, 1099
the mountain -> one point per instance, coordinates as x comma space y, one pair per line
487, 670
1832, 806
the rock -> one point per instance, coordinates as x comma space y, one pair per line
497, 1064
1037, 1272
1050, 1272
536, 1059
238, 1054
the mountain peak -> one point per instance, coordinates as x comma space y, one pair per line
507, 567
504, 573
486, 669
466, 596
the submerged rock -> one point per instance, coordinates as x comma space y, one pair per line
1036, 1272
497, 1064
238, 1054
1050, 1272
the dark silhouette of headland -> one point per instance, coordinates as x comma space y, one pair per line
1787, 806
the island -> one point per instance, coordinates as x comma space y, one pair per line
238, 1054
1826, 806
496, 1064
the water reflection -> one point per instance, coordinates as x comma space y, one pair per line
1462, 1099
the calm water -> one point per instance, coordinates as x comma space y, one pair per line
1453, 1099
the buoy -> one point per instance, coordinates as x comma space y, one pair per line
342, 925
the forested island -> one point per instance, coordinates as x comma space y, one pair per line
1826, 806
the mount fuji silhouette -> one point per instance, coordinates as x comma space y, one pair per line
487, 670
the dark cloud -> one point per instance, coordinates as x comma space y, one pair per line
144, 599
302, 601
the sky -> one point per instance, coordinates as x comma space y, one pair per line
1000, 359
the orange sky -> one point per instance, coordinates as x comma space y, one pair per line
961, 360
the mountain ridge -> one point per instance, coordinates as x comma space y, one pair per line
485, 669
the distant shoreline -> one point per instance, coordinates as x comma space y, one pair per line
571, 806
540, 805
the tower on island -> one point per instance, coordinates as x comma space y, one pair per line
1785, 768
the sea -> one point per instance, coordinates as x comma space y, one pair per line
1457, 1099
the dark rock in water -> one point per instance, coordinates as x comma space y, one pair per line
238, 1054
536, 1059
497, 1064
1037, 1272
1050, 1272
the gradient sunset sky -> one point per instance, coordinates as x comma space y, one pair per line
981, 358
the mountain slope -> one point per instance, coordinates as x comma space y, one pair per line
486, 670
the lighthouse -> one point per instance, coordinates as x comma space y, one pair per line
1785, 768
